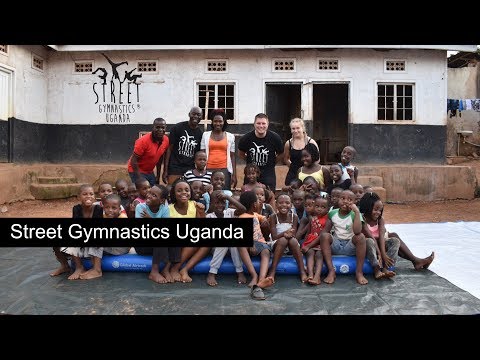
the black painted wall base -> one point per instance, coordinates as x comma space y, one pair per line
4, 141
398, 143
32, 142
53, 143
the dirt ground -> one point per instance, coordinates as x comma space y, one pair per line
412, 212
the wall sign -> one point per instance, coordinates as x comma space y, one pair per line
117, 95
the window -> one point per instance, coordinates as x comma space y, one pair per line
37, 62
284, 65
395, 101
216, 65
395, 66
83, 67
328, 64
219, 96
147, 66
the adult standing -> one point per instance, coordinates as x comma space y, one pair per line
263, 148
293, 148
219, 145
184, 143
148, 153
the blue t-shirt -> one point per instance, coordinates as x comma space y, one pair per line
163, 211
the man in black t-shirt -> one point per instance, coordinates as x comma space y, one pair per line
263, 148
185, 140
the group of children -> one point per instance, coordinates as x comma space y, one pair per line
320, 214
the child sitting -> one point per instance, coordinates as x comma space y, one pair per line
121, 188
357, 189
372, 208
111, 209
142, 185
347, 239
252, 174
283, 228
349, 171
310, 246
154, 207
84, 210
336, 173
310, 157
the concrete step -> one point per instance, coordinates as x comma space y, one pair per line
56, 180
380, 191
54, 191
370, 180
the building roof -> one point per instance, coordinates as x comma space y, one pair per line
464, 48
462, 59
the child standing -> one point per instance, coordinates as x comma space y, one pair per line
260, 247
218, 205
200, 171
84, 210
347, 239
283, 228
372, 208
310, 246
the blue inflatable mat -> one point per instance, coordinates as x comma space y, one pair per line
287, 265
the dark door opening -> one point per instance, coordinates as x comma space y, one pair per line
330, 120
283, 103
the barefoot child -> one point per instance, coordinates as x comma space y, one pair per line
111, 209
154, 207
311, 247
348, 239
283, 228
183, 207
84, 210
372, 208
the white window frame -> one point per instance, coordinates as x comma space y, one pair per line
11, 89
83, 62
147, 72
285, 59
41, 58
414, 101
218, 82
328, 59
394, 71
216, 72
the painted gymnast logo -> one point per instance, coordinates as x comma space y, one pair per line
118, 99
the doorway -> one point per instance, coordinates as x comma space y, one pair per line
282, 104
330, 120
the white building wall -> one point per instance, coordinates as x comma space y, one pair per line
29, 84
171, 92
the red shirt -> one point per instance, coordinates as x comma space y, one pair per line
148, 152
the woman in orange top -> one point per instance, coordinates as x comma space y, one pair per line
219, 145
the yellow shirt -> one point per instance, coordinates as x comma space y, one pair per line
191, 211
317, 175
